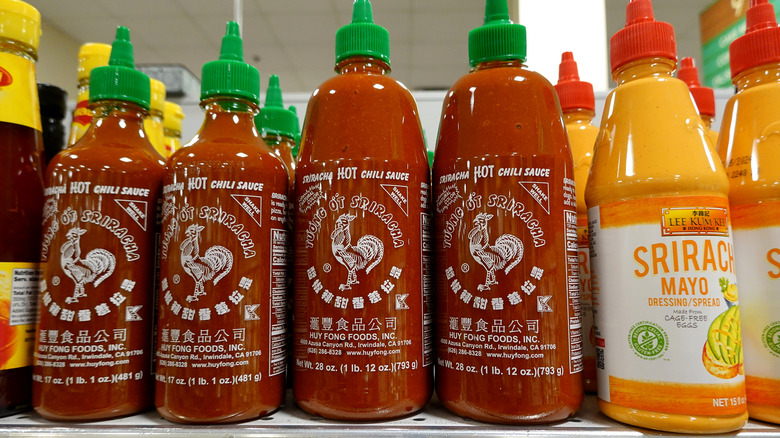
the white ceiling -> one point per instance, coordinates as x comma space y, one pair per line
295, 38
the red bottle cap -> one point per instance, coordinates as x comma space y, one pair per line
572, 92
761, 42
642, 37
704, 96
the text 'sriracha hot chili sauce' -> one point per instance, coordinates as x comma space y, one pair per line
362, 311
278, 126
508, 340
578, 105
93, 343
21, 200
750, 149
221, 342
668, 343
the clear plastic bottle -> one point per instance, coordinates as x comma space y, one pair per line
750, 148
362, 310
667, 342
223, 258
21, 200
153, 125
94, 339
172, 118
578, 106
505, 236
91, 55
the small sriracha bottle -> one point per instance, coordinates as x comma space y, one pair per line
223, 275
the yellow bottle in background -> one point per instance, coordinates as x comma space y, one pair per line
667, 340
750, 148
578, 106
172, 117
153, 124
703, 96
91, 55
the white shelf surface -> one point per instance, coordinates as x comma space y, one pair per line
290, 421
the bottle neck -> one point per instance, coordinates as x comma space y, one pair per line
655, 67
229, 114
107, 114
578, 115
707, 120
497, 64
758, 75
16, 48
362, 65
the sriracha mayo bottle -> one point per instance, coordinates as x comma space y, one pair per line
507, 305
750, 149
704, 97
93, 346
668, 345
221, 348
578, 105
362, 310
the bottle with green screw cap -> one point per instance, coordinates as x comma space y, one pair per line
362, 230
297, 124
98, 255
223, 258
508, 341
278, 126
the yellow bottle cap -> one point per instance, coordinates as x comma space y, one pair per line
20, 22
92, 55
173, 115
158, 96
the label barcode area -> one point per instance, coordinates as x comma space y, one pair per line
600, 358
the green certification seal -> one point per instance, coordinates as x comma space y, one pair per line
648, 340
771, 338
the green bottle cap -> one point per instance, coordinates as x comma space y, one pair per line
119, 80
362, 37
297, 131
230, 75
498, 39
273, 118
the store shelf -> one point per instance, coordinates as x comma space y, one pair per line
290, 421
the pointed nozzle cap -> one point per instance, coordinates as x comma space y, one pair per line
230, 75
272, 118
761, 42
642, 37
498, 39
362, 37
119, 80
572, 92
703, 96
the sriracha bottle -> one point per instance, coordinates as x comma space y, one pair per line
221, 352
362, 327
507, 305
93, 346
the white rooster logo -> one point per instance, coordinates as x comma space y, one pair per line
214, 264
94, 268
365, 254
504, 254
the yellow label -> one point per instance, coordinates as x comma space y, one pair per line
18, 92
18, 300
698, 221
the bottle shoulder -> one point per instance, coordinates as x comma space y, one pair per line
238, 155
116, 155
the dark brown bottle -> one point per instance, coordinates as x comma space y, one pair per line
21, 200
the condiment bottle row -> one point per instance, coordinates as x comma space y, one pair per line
538, 255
